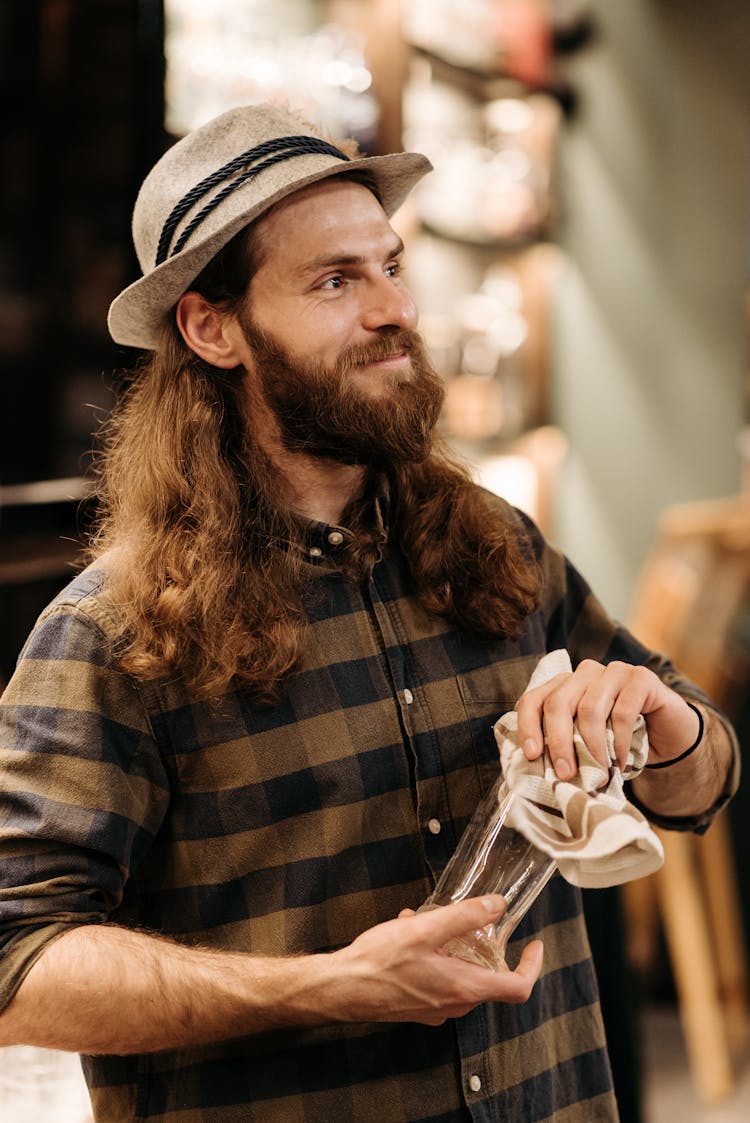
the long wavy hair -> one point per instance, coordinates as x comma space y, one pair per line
200, 551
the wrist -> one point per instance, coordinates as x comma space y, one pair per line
301, 990
685, 752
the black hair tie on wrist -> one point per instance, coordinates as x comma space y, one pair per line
693, 747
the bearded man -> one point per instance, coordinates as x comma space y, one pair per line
240, 747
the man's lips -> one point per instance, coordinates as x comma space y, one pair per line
397, 359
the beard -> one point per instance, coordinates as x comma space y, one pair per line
322, 412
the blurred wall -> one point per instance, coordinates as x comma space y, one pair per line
650, 339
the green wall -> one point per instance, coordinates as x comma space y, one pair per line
650, 340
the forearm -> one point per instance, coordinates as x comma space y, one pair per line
110, 990
692, 785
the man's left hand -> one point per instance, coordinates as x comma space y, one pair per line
594, 694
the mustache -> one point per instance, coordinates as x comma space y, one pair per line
405, 340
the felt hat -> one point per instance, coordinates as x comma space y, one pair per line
216, 180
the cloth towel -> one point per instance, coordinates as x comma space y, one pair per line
586, 824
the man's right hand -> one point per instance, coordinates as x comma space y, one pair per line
397, 971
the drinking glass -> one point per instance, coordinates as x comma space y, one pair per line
492, 857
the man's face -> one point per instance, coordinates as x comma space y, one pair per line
329, 328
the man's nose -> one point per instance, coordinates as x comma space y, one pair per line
389, 305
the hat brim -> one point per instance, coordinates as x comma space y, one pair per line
137, 314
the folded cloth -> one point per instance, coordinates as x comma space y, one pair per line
586, 824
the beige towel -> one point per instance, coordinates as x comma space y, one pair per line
586, 824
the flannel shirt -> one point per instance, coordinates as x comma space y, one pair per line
291, 828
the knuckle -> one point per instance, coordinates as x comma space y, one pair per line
556, 706
624, 712
589, 709
518, 993
527, 704
643, 675
556, 744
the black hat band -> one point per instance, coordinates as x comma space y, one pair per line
276, 151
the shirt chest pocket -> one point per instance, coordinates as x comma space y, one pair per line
487, 693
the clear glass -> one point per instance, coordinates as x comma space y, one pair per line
492, 857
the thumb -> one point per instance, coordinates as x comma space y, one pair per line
444, 923
530, 963
518, 983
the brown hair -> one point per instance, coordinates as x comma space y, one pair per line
199, 562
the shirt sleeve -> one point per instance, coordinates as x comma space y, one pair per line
576, 620
83, 789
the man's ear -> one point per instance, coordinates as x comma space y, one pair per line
208, 331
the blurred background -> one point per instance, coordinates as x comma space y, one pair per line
581, 257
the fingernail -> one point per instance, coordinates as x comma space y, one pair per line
530, 748
491, 904
563, 769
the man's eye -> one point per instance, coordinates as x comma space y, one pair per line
333, 283
394, 269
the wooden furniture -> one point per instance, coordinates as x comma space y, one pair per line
691, 592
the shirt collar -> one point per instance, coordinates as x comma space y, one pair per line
320, 540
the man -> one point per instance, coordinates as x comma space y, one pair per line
240, 747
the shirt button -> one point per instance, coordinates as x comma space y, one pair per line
434, 826
335, 538
475, 1083
315, 552
408, 696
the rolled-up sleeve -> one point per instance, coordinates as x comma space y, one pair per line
83, 790
577, 621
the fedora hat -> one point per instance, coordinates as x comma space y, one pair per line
216, 180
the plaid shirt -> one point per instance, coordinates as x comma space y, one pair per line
291, 828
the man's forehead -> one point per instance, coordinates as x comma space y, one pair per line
323, 194
318, 225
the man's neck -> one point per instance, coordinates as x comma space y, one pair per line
319, 489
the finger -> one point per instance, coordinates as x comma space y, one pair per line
596, 707
530, 711
518, 984
497, 986
626, 711
443, 924
558, 735
618, 697
406, 913
560, 708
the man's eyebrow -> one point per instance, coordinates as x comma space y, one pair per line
329, 261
